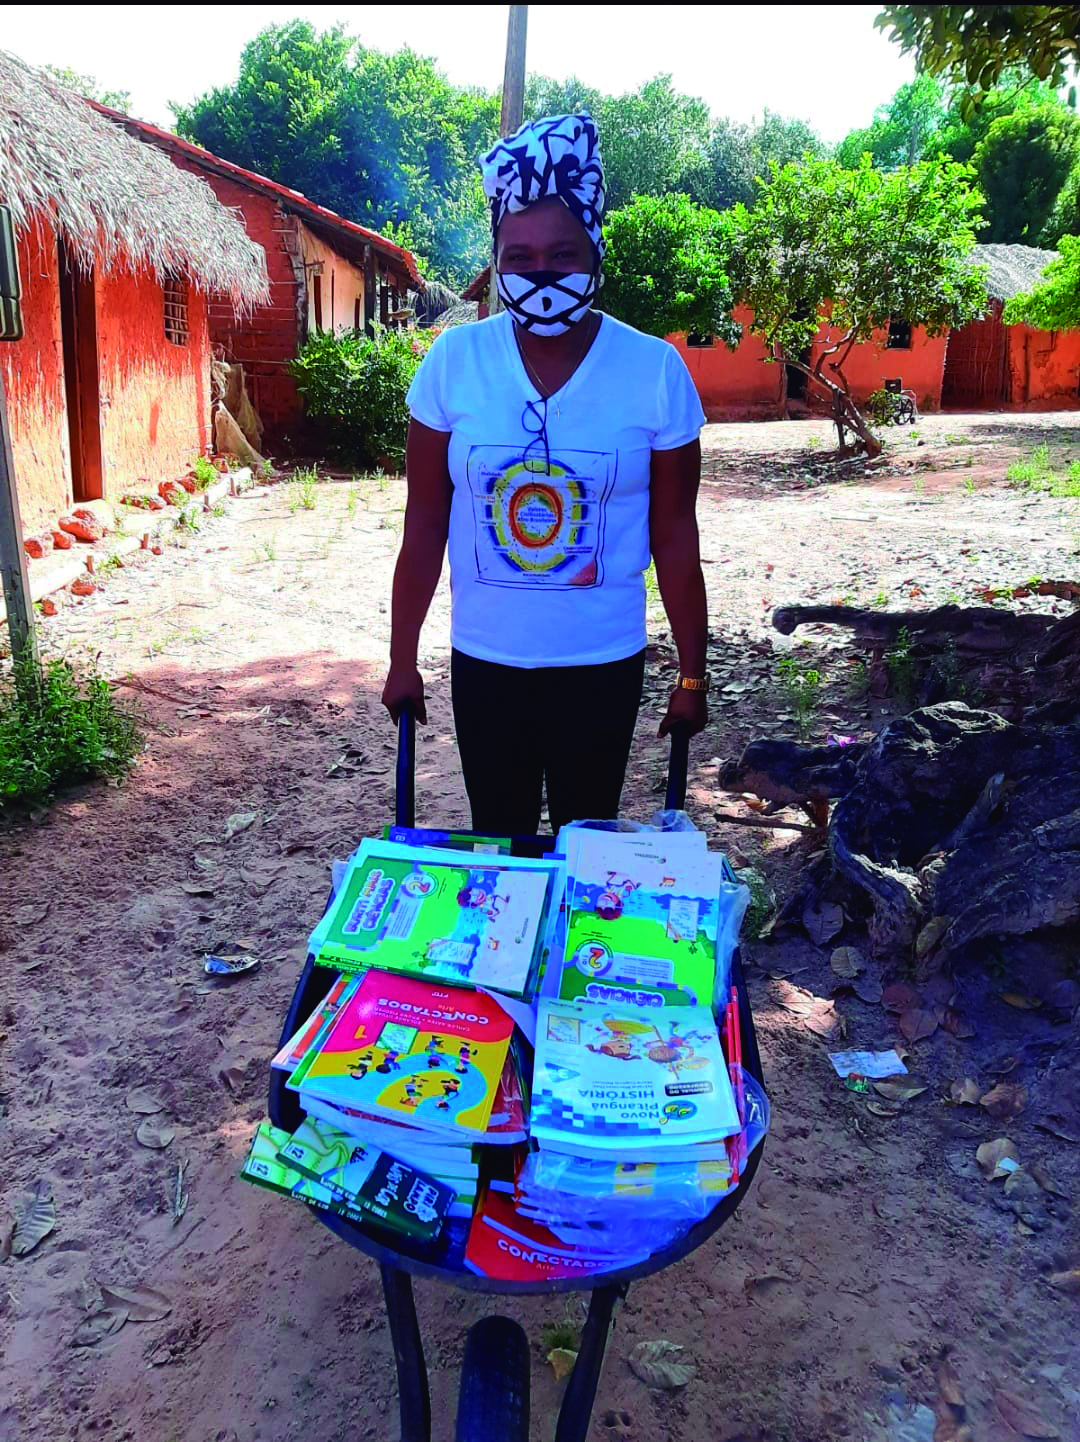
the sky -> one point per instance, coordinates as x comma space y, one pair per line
822, 63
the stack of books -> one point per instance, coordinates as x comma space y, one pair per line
423, 1101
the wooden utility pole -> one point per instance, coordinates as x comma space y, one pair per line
513, 91
513, 99
13, 574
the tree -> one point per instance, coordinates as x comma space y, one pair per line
663, 271
737, 155
960, 134
649, 137
902, 131
1022, 164
846, 251
384, 140
88, 86
1054, 304
973, 45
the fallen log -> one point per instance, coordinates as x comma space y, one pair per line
788, 774
970, 628
961, 825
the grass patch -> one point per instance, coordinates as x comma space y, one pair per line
1038, 473
59, 726
901, 664
802, 689
302, 495
205, 473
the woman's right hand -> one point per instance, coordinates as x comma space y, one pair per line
405, 687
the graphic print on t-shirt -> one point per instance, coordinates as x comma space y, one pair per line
540, 527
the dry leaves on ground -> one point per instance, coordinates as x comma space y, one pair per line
1004, 1101
899, 1089
562, 1362
847, 961
997, 1158
1022, 1415
1066, 1281
965, 1093
823, 920
918, 1023
659, 1365
34, 1221
155, 1134
143, 1100
1020, 1001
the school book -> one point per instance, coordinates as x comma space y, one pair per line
296, 1048
438, 914
264, 1168
509, 1248
415, 1052
364, 1177
612, 1079
642, 916
430, 1152
448, 840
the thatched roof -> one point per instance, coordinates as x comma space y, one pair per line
1011, 269
116, 202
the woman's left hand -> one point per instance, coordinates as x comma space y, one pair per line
686, 708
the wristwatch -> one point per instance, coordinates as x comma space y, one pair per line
693, 683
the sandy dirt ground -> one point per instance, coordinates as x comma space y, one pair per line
872, 1277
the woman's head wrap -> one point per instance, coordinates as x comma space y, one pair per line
558, 157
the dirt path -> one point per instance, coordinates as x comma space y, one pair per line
871, 1243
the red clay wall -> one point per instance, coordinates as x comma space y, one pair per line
1044, 369
268, 338
921, 368
33, 375
155, 396
737, 385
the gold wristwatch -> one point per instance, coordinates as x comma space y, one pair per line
693, 683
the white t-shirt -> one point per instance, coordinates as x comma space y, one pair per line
547, 569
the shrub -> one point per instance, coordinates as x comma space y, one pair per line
882, 407
353, 388
57, 727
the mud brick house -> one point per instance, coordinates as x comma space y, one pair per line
119, 254
992, 366
326, 274
983, 366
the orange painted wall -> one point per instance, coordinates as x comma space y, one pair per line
33, 374
155, 412
737, 385
1044, 369
869, 365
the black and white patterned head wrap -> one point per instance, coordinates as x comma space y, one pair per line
559, 157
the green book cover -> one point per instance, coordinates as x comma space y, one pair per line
363, 1177
439, 916
642, 920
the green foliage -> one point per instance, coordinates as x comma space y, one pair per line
762, 901
738, 155
354, 388
664, 271
900, 663
88, 86
1022, 164
302, 495
205, 472
1037, 473
651, 138
901, 132
382, 139
882, 407
974, 45
58, 727
855, 248
1054, 304
801, 690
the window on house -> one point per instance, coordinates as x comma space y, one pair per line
356, 314
176, 309
700, 342
899, 335
316, 291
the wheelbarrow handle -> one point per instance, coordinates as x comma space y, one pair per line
405, 779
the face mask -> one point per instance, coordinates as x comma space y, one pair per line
546, 302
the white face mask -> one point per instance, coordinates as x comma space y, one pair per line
545, 302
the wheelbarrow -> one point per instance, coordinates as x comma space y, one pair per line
493, 1402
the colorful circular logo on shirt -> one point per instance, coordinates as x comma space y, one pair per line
539, 522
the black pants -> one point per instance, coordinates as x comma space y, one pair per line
568, 726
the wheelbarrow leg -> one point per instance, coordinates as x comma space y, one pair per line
413, 1399
575, 1414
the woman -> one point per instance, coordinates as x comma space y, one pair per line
553, 448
